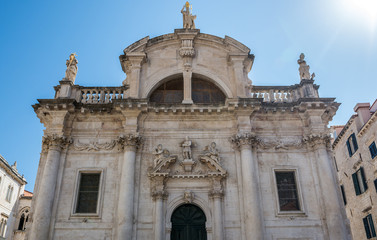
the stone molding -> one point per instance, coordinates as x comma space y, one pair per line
55, 141
132, 141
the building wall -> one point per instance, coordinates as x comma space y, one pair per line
358, 207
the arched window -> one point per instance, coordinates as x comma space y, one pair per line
203, 92
24, 217
3, 227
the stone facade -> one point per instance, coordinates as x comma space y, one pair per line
11, 187
21, 222
350, 160
153, 157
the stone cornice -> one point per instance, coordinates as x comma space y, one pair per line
11, 171
366, 126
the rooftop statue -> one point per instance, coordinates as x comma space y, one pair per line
70, 73
188, 18
304, 68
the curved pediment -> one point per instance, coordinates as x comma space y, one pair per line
223, 61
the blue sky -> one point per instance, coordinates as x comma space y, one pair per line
338, 37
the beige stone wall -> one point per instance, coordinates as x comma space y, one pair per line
358, 207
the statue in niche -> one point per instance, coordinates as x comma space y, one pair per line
304, 68
187, 148
188, 18
212, 152
160, 154
70, 73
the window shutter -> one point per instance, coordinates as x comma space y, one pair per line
366, 226
356, 184
354, 142
371, 225
375, 184
343, 195
349, 148
364, 180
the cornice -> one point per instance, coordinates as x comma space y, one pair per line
14, 173
366, 126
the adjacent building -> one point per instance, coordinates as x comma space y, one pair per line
12, 185
355, 155
187, 148
22, 217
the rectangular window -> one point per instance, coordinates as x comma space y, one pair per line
352, 144
359, 181
87, 196
343, 194
375, 184
373, 150
369, 226
287, 191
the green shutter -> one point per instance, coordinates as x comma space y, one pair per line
366, 226
363, 177
356, 184
349, 148
371, 225
354, 142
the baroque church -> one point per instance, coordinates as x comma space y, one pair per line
187, 148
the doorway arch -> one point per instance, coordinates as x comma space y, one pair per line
188, 223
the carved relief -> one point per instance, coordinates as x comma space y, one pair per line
280, 145
94, 146
55, 140
317, 139
188, 196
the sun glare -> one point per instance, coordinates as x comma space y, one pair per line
365, 10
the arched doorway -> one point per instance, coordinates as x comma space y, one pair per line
188, 223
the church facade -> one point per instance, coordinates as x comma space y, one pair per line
186, 148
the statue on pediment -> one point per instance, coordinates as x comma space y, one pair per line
188, 18
160, 155
212, 152
70, 73
304, 68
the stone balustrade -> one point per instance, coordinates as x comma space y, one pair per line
276, 94
100, 95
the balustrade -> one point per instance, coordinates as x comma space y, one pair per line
101, 95
275, 94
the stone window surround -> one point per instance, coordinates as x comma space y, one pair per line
278, 212
98, 214
8, 196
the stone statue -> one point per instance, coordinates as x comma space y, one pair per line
188, 18
212, 152
188, 196
187, 148
160, 154
304, 68
70, 73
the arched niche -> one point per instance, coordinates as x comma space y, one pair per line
204, 91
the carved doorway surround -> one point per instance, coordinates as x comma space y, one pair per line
188, 223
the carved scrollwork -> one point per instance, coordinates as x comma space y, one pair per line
317, 139
244, 139
94, 146
129, 140
55, 140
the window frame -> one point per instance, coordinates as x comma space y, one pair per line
343, 192
373, 150
354, 147
279, 212
98, 212
359, 180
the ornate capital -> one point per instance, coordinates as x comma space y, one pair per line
244, 140
313, 140
54, 141
129, 141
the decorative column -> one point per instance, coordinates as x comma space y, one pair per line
187, 52
217, 195
45, 199
332, 201
250, 183
159, 195
131, 65
125, 217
